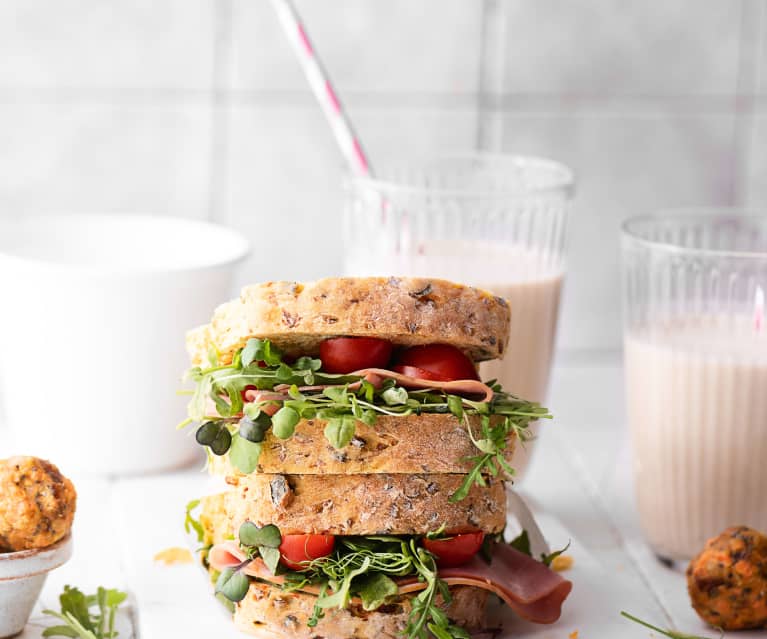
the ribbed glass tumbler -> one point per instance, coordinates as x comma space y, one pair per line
493, 221
696, 374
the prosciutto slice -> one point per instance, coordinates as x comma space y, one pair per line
376, 376
528, 587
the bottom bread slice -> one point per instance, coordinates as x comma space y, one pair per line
268, 612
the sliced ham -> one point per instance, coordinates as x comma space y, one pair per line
528, 587
252, 395
473, 387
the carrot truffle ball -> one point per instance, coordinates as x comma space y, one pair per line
727, 581
37, 504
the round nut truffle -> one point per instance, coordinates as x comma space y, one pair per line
727, 581
37, 504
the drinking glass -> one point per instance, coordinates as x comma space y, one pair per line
493, 221
696, 373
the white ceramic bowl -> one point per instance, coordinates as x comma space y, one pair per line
94, 313
22, 575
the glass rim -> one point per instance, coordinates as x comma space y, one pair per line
693, 214
563, 177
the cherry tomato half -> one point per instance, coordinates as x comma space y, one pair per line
301, 548
456, 550
446, 363
347, 354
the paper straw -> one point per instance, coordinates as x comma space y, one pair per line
323, 89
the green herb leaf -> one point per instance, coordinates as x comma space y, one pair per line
547, 559
340, 430
668, 633
340, 598
252, 535
244, 454
395, 396
455, 405
60, 631
271, 557
284, 422
248, 354
79, 621
522, 543
190, 523
232, 584
374, 589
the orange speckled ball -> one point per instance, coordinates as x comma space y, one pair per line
727, 581
37, 504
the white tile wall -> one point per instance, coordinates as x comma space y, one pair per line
101, 157
625, 166
285, 177
66, 44
428, 46
198, 107
602, 47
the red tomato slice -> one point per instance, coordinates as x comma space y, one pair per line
347, 354
455, 550
301, 548
443, 361
246, 389
418, 373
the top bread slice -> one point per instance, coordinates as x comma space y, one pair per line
406, 311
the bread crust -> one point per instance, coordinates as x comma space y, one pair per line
406, 311
269, 612
401, 444
364, 504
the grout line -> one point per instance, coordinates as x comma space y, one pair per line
749, 83
489, 133
596, 499
218, 168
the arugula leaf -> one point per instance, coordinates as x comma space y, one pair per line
340, 598
190, 523
522, 543
232, 584
375, 589
284, 422
547, 559
223, 385
340, 430
252, 535
244, 454
79, 622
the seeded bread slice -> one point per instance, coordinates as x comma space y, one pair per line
364, 504
268, 612
402, 444
406, 311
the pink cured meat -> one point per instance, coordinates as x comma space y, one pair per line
528, 587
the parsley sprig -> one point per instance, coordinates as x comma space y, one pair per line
301, 390
78, 617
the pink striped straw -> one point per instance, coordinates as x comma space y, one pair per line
323, 89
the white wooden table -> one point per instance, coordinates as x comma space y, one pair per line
580, 475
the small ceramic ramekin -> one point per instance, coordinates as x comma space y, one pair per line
22, 575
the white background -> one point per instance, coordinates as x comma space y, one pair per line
198, 108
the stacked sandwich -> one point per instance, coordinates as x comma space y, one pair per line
364, 460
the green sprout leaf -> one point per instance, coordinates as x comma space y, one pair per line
244, 454
284, 422
271, 557
268, 536
340, 430
232, 584
522, 543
